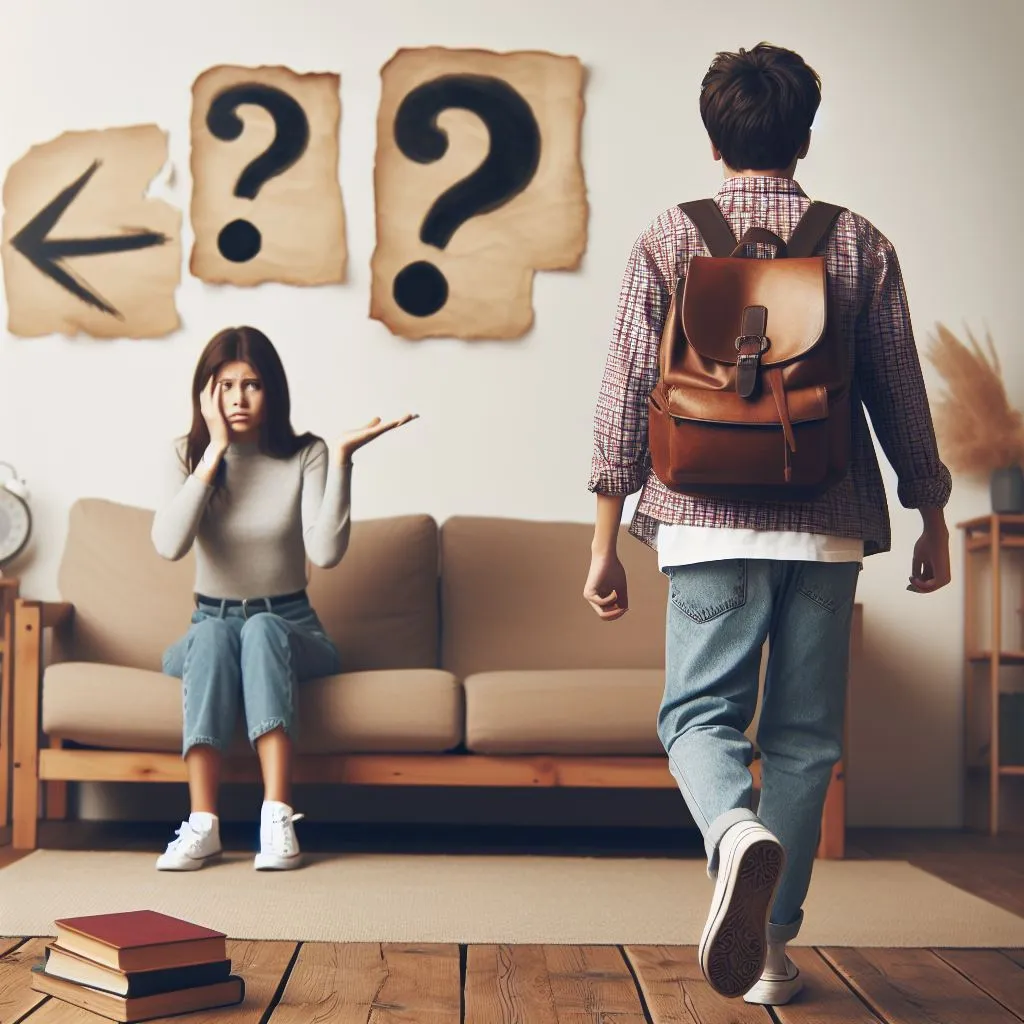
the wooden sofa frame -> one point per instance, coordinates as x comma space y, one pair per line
52, 767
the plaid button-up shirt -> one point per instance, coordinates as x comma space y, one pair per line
869, 299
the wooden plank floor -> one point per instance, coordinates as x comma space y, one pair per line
361, 983
295, 983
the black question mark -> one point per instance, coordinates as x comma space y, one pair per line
240, 241
420, 288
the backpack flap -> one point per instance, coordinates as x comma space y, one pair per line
717, 291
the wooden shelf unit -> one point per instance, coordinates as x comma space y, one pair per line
992, 534
8, 595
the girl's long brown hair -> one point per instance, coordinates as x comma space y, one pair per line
246, 345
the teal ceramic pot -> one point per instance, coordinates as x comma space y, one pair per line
1007, 490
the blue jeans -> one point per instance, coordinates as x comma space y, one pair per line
719, 615
253, 655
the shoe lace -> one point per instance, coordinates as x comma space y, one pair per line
282, 833
186, 836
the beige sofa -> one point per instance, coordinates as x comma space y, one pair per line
470, 657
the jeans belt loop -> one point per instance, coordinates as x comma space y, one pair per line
265, 601
222, 611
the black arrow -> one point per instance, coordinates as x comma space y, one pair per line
45, 253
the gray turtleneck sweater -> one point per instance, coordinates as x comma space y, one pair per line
253, 538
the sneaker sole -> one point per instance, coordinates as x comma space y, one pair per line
734, 948
269, 862
190, 863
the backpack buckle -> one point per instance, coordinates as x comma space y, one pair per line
750, 348
761, 340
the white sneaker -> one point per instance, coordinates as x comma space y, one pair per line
279, 849
194, 846
734, 945
775, 989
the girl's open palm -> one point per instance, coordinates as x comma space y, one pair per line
353, 440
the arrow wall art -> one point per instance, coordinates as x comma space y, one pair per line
83, 249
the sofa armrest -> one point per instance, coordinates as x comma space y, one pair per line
31, 621
55, 614
56, 624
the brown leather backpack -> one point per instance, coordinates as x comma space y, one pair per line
753, 397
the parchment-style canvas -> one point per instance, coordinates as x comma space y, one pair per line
83, 249
460, 263
270, 135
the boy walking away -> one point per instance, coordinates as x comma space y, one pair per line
734, 399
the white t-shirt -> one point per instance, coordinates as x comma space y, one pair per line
685, 545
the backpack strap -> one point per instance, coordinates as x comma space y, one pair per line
714, 229
813, 226
712, 225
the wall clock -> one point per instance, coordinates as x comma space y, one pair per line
15, 517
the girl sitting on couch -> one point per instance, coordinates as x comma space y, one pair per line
257, 500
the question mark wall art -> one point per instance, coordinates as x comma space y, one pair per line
266, 200
478, 184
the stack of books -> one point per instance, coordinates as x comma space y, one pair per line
137, 965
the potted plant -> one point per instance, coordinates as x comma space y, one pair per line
979, 433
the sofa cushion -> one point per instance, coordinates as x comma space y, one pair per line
512, 599
392, 711
379, 604
567, 711
571, 711
130, 604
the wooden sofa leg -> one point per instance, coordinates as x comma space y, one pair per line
832, 845
28, 635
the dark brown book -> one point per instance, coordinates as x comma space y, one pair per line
130, 1010
140, 940
61, 963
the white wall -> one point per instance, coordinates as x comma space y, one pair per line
919, 131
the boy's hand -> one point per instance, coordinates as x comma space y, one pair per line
605, 589
930, 568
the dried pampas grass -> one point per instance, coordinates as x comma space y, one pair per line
976, 427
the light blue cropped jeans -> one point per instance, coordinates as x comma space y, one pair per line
251, 656
719, 615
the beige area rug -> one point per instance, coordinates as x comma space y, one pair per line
488, 899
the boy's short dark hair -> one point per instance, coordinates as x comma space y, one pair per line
758, 106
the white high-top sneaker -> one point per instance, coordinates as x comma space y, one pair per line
197, 843
779, 981
279, 848
734, 945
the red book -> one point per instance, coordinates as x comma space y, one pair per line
140, 940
